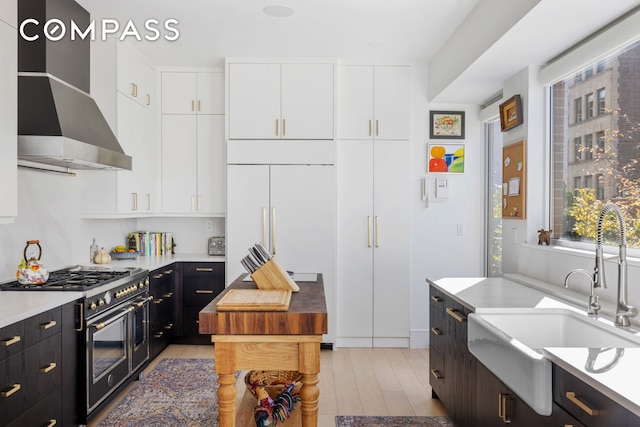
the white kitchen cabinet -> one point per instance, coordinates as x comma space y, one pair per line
9, 121
136, 79
193, 164
373, 243
192, 93
373, 102
291, 209
9, 13
281, 101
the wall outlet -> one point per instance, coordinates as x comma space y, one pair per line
210, 225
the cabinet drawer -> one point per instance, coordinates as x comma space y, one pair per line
437, 373
13, 397
437, 330
560, 417
47, 412
585, 403
12, 339
43, 368
199, 294
199, 269
42, 326
436, 298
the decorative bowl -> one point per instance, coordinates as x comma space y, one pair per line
124, 255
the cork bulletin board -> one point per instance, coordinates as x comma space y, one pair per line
514, 181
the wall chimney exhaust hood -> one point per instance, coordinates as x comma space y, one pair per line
59, 123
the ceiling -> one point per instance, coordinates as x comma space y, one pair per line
359, 31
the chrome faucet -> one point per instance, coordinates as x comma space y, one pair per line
623, 310
594, 305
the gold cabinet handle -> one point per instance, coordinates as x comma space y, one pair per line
50, 367
158, 301
264, 226
377, 128
134, 201
204, 291
437, 375
198, 105
168, 295
502, 407
193, 202
168, 272
377, 231
148, 99
133, 90
158, 335
436, 298
52, 423
277, 126
10, 341
80, 327
193, 105
273, 230
580, 404
158, 276
9, 392
48, 325
284, 127
369, 127
169, 326
369, 241
436, 331
148, 201
456, 315
199, 202
204, 269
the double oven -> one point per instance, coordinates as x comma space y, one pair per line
112, 328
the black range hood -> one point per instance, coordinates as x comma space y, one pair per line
59, 123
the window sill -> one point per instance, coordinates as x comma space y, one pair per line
587, 250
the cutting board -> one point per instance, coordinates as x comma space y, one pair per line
255, 300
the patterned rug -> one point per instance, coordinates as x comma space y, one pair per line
176, 393
356, 421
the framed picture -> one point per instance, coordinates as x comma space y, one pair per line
445, 158
446, 124
511, 113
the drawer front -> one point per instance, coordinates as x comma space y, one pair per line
199, 293
437, 331
43, 326
43, 367
46, 413
585, 403
195, 269
560, 417
437, 373
12, 339
436, 298
13, 389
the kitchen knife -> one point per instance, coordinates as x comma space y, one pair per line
264, 251
257, 256
246, 265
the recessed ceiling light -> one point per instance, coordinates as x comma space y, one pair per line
279, 10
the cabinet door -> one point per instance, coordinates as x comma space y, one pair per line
9, 14
355, 102
392, 102
489, 391
307, 101
9, 114
391, 242
254, 101
135, 77
247, 213
355, 243
210, 93
179, 93
211, 166
179, 164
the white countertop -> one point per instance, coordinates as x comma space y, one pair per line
19, 305
517, 291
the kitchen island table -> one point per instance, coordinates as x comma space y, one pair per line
268, 340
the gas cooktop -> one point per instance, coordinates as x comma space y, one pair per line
78, 278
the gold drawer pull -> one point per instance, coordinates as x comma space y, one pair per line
580, 404
455, 314
158, 276
206, 269
48, 368
502, 407
52, 423
436, 298
48, 325
169, 326
10, 341
204, 291
158, 335
168, 272
8, 393
158, 301
168, 295
436, 331
436, 374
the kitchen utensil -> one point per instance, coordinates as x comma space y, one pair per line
31, 270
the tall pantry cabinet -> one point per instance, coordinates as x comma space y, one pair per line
373, 269
8, 111
281, 183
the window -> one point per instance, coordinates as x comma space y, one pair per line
577, 106
588, 72
588, 148
578, 78
589, 102
602, 95
597, 162
601, 67
577, 148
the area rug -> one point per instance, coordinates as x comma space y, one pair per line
358, 421
176, 393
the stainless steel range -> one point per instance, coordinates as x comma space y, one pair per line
113, 331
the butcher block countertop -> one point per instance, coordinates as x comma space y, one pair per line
307, 314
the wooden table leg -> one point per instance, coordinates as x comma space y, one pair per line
309, 362
225, 368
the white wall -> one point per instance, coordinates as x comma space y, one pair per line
437, 250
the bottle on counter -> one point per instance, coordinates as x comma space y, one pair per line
93, 251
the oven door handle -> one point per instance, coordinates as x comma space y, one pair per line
141, 303
101, 325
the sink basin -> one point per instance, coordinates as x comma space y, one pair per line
510, 343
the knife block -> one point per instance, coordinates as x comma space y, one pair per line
272, 276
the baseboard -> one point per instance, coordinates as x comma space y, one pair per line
419, 338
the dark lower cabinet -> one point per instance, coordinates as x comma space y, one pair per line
201, 283
162, 311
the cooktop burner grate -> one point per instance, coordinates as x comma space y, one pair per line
70, 279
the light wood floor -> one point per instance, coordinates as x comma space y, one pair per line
353, 381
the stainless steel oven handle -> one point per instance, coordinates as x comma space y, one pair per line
101, 325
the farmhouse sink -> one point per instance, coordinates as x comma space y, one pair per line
510, 343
